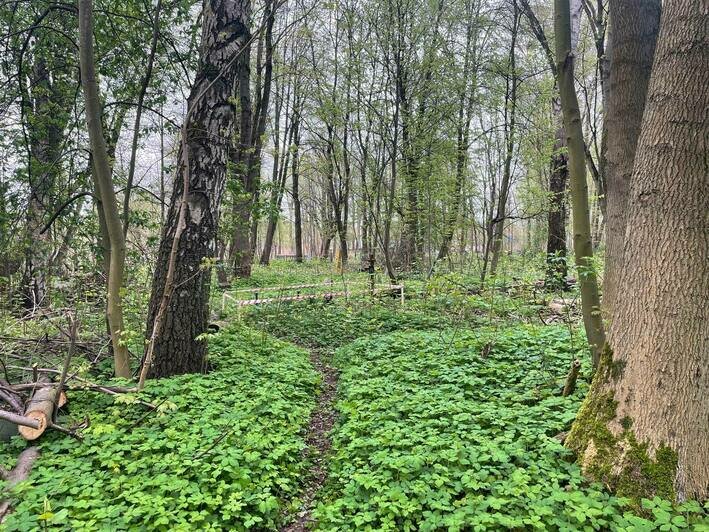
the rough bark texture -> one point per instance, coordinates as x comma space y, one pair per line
209, 127
635, 27
583, 248
644, 427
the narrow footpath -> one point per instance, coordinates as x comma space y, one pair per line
318, 440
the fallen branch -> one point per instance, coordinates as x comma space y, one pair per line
17, 419
19, 473
8, 395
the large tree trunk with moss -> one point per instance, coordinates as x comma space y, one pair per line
209, 125
635, 26
643, 427
104, 185
583, 247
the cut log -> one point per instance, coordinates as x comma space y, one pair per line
41, 408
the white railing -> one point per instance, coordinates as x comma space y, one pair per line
285, 293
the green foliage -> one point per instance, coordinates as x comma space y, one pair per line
227, 454
323, 325
435, 435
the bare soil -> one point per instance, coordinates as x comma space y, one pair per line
318, 440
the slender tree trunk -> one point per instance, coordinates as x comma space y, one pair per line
104, 185
295, 172
642, 430
246, 224
635, 23
583, 247
242, 202
138, 115
510, 124
179, 311
274, 204
557, 268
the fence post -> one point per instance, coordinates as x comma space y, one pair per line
401, 290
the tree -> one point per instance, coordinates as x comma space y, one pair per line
636, 24
510, 113
583, 247
104, 187
558, 176
178, 311
643, 427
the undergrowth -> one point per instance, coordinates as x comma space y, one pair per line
438, 433
226, 453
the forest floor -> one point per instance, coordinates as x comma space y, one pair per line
318, 440
351, 414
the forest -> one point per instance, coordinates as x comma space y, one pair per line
406, 265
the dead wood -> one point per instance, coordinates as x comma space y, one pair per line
19, 473
573, 374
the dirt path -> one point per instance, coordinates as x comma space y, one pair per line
317, 438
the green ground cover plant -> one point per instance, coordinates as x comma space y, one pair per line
226, 453
436, 432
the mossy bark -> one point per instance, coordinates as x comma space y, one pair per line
644, 428
608, 449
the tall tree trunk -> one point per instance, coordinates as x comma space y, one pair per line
642, 429
246, 226
295, 175
635, 27
466, 98
274, 203
179, 311
583, 247
104, 185
557, 269
510, 123
242, 202
45, 130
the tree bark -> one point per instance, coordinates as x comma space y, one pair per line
104, 185
242, 203
45, 126
643, 427
190, 232
295, 176
583, 247
557, 268
244, 239
635, 27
